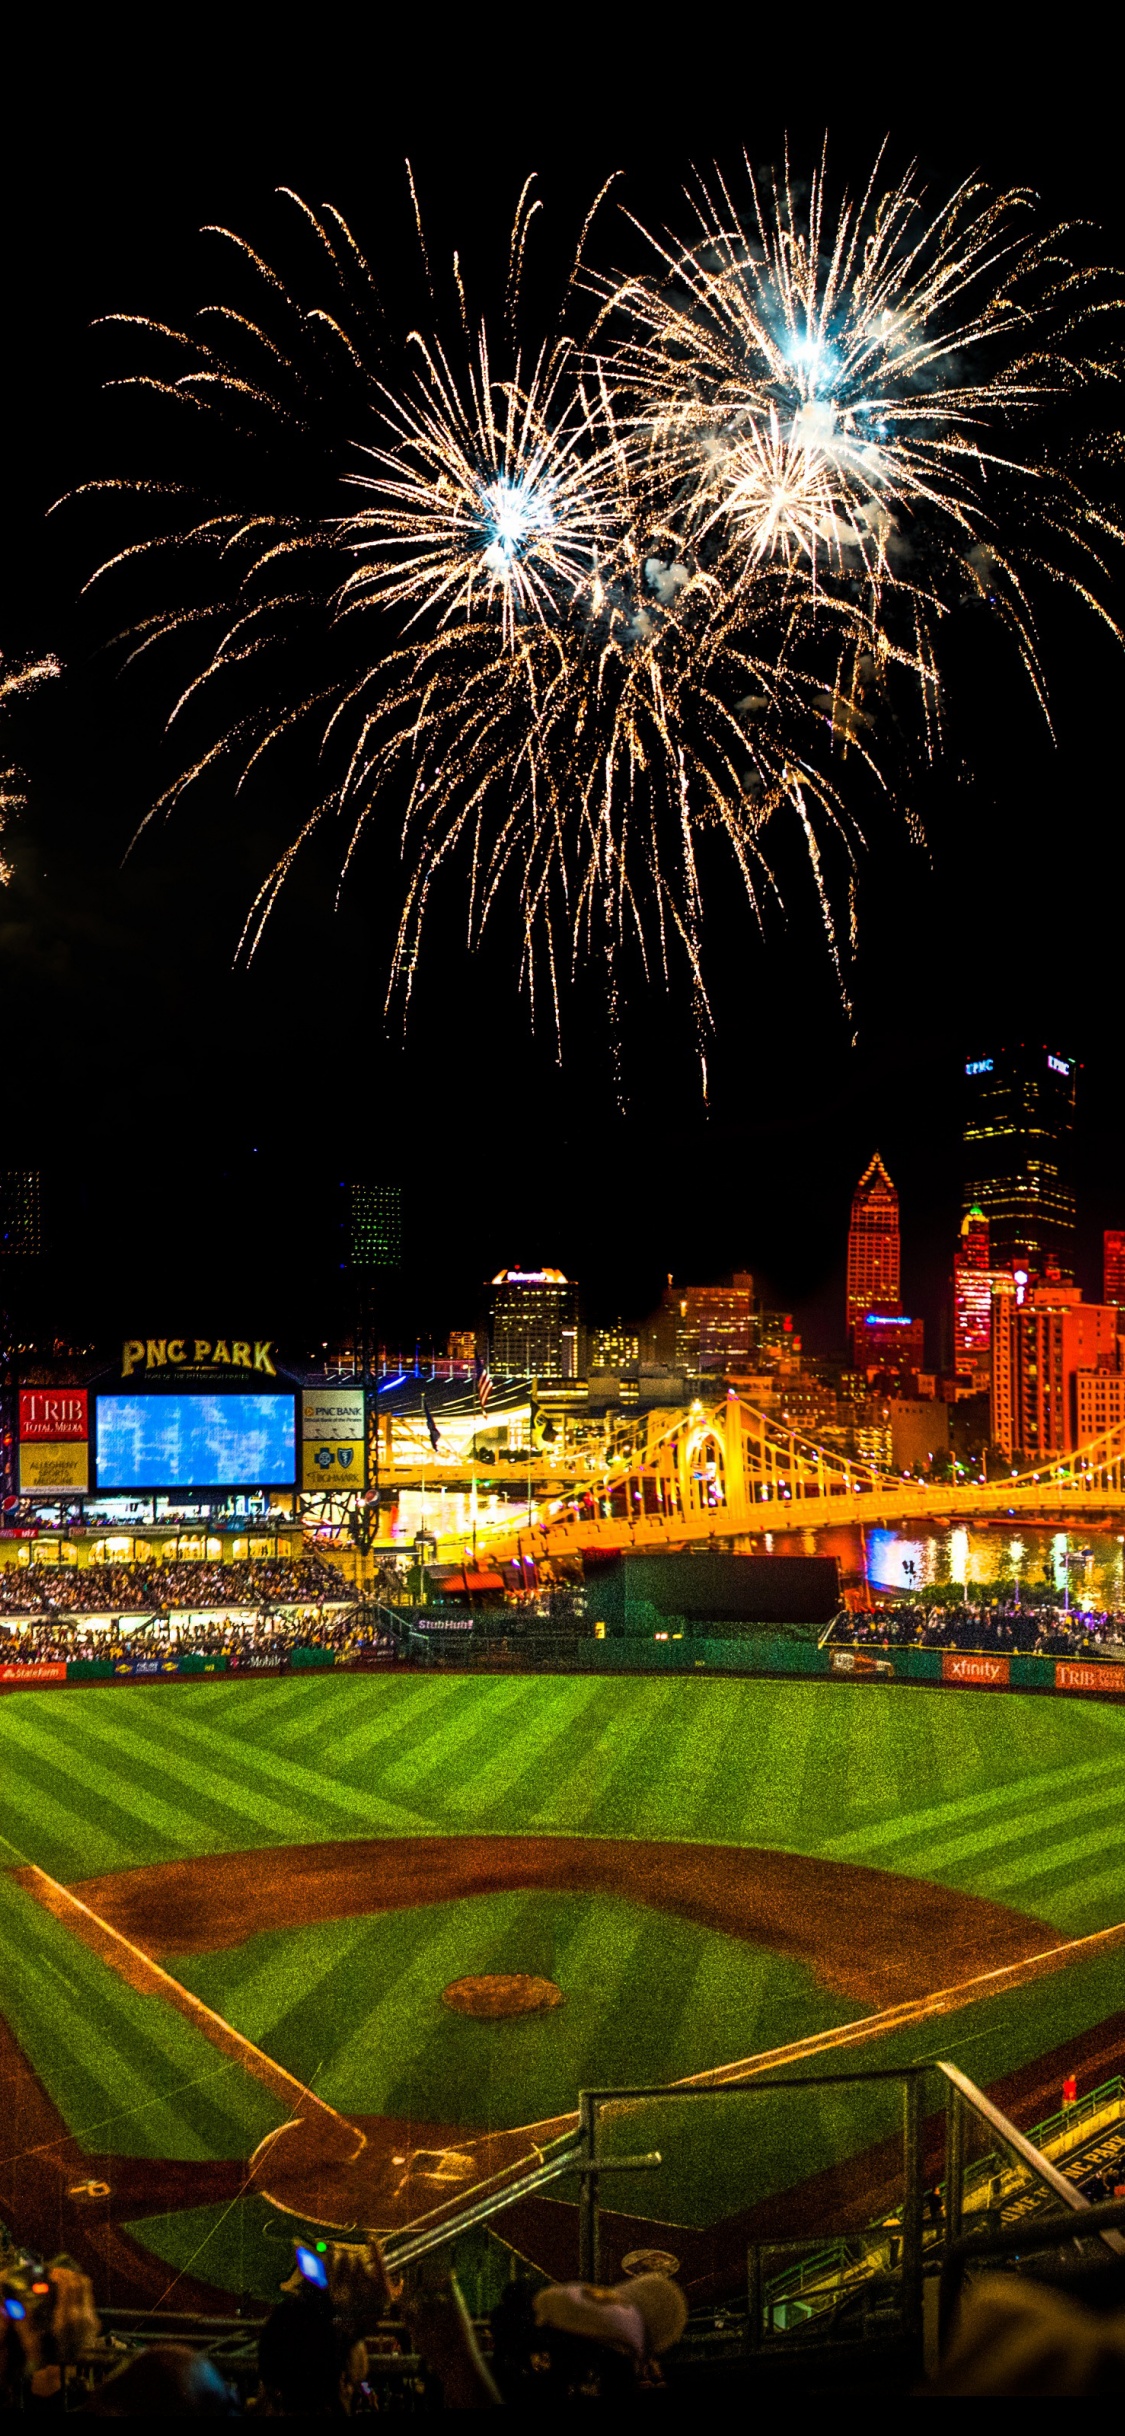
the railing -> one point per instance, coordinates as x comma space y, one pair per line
448, 2223
1011, 2193
858, 2287
1060, 2232
1059, 2136
855, 2285
1072, 2125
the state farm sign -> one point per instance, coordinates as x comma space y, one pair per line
53, 1413
957, 1666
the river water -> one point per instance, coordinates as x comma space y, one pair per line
981, 1557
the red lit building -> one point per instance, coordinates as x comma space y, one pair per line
1113, 1251
874, 1254
972, 1297
884, 1341
1055, 1364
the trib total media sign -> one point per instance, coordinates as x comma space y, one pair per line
54, 1429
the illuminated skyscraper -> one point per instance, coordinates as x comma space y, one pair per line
874, 1258
533, 1324
1056, 1377
614, 1348
374, 1225
709, 1327
1113, 1246
972, 1297
1019, 1136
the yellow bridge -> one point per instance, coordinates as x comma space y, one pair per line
732, 1472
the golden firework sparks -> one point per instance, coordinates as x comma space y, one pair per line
562, 617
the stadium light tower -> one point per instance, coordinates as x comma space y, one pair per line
373, 1239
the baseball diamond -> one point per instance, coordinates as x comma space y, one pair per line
233, 1915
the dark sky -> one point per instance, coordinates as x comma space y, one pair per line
192, 1120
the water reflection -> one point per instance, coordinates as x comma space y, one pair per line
1092, 1562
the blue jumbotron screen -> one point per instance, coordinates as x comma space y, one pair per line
195, 1442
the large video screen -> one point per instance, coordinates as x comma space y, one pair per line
195, 1442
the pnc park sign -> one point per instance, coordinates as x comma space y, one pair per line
198, 1353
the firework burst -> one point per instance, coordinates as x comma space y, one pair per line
487, 497
509, 653
858, 396
559, 619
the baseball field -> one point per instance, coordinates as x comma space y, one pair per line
228, 1910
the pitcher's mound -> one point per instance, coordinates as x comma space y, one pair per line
495, 1996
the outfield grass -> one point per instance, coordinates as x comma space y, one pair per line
1020, 1799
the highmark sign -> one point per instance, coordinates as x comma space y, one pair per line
198, 1353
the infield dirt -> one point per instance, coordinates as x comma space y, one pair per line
871, 1935
868, 1934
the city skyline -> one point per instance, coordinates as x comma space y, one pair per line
375, 1224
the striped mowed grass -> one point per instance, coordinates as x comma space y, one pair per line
1016, 1799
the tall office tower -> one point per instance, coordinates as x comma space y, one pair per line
709, 1327
972, 1297
1056, 1378
874, 1258
533, 1324
1113, 1266
374, 1225
1002, 1383
1019, 1139
20, 1232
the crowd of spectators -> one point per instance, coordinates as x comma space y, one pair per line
348, 1632
1006, 1627
322, 2347
256, 1583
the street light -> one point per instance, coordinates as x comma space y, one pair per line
1069, 1558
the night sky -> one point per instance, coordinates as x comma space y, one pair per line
192, 1121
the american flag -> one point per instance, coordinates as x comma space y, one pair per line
484, 1382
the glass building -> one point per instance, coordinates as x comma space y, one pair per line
1018, 1151
533, 1324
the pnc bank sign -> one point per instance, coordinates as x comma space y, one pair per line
198, 1353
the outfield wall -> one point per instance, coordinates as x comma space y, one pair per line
766, 1654
775, 1655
